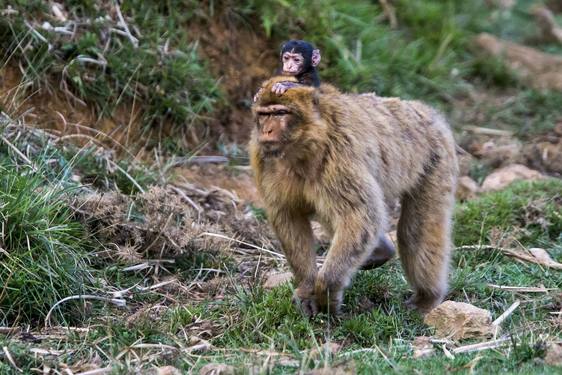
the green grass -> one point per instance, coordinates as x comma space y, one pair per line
44, 250
164, 74
375, 330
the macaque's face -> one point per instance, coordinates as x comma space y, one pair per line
273, 124
293, 63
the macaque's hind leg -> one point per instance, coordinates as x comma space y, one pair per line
424, 241
384, 252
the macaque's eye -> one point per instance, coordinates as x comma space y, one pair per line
281, 113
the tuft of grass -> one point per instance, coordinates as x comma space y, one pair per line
528, 211
102, 67
43, 250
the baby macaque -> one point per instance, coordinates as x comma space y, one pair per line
299, 59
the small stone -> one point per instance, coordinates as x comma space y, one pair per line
217, 369
503, 177
553, 354
167, 370
459, 320
276, 279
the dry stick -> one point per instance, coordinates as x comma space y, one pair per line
481, 346
496, 323
487, 131
277, 255
117, 301
98, 371
133, 40
20, 154
522, 289
187, 199
10, 359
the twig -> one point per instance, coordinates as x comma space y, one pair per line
487, 131
11, 359
200, 160
389, 12
116, 301
147, 264
500, 319
187, 199
20, 154
480, 346
522, 289
98, 371
506, 313
134, 41
277, 255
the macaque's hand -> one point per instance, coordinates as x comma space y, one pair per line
256, 97
280, 87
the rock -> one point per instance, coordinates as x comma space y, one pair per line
329, 347
217, 369
344, 369
545, 155
467, 188
459, 320
540, 70
547, 23
553, 354
167, 370
423, 347
275, 279
503, 177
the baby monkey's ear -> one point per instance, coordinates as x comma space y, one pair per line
315, 58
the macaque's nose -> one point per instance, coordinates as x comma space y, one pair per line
270, 133
291, 67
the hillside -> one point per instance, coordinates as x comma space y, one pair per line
132, 238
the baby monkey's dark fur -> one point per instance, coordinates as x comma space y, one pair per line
309, 75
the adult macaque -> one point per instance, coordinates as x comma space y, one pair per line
298, 59
337, 158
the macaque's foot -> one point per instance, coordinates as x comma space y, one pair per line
307, 306
328, 298
304, 300
384, 252
423, 303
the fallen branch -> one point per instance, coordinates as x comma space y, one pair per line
500, 319
522, 289
536, 255
11, 359
116, 301
122, 23
480, 346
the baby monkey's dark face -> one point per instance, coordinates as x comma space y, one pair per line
293, 63
299, 57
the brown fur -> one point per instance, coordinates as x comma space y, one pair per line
339, 159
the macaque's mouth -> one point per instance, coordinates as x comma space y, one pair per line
271, 149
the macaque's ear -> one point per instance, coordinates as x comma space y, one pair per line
315, 59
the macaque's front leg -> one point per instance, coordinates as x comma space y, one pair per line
353, 241
279, 88
295, 233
